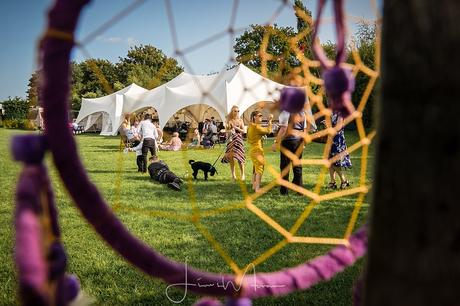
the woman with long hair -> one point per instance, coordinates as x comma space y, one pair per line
235, 145
255, 133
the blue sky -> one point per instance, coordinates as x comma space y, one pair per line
22, 21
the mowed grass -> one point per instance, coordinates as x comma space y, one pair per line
138, 202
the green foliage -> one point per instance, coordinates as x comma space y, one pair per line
365, 42
15, 108
304, 26
22, 124
248, 47
32, 90
283, 60
147, 66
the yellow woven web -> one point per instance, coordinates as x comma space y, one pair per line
301, 76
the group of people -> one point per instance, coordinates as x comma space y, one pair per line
289, 141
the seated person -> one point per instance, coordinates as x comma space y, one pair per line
222, 136
75, 128
207, 140
195, 140
159, 171
175, 144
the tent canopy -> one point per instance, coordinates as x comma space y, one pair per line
199, 96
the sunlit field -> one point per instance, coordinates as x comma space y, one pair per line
139, 202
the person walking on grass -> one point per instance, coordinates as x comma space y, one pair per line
255, 133
149, 135
339, 150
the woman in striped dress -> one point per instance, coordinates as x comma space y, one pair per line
235, 146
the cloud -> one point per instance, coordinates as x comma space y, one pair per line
130, 41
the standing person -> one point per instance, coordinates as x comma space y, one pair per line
256, 151
290, 137
339, 146
235, 147
149, 134
139, 156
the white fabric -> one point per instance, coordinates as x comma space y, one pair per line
201, 96
111, 108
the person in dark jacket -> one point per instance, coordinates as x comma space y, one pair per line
159, 171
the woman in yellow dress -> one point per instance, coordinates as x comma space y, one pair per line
256, 151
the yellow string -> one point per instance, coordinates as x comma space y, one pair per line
305, 76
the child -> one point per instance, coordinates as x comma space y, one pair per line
256, 151
139, 157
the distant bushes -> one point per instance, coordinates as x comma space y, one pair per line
24, 124
16, 111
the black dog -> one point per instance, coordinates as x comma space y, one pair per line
205, 167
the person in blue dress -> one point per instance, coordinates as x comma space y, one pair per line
339, 147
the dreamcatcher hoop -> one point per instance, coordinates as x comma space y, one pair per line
55, 48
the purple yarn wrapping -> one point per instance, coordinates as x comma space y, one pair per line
72, 287
308, 274
208, 301
29, 149
28, 256
338, 81
57, 260
35, 268
292, 99
238, 302
67, 289
55, 57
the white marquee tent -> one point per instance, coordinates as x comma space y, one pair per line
237, 86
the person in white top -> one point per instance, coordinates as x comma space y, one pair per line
290, 136
149, 135
139, 156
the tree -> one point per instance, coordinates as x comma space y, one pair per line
15, 108
413, 256
273, 45
365, 43
279, 56
147, 66
304, 28
32, 89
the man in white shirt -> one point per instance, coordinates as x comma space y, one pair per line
149, 135
290, 136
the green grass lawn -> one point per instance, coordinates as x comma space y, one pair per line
109, 280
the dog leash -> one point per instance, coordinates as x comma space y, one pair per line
225, 148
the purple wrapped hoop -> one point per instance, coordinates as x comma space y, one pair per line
55, 57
